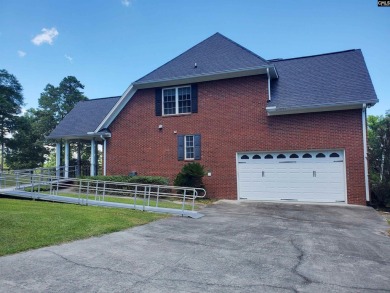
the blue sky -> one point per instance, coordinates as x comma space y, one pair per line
107, 44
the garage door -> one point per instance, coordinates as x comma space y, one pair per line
317, 176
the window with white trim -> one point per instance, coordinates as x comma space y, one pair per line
189, 149
176, 100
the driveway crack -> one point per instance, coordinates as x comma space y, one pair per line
300, 257
89, 266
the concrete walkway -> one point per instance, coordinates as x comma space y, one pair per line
236, 247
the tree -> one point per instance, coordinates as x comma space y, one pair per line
11, 102
56, 102
26, 148
379, 158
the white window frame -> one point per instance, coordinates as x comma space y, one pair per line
185, 147
176, 99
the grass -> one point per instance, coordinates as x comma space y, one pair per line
26, 224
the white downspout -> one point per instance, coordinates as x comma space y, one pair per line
364, 126
104, 154
269, 85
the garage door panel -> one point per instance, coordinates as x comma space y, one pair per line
307, 179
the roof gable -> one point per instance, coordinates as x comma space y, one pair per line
83, 118
333, 79
216, 54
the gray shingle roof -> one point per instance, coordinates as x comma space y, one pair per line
339, 78
85, 117
216, 54
328, 80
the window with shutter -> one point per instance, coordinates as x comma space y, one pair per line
189, 147
176, 100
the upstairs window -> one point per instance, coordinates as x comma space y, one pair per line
184, 99
177, 100
169, 103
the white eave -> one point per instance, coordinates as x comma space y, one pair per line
274, 111
86, 136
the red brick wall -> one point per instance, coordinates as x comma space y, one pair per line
231, 118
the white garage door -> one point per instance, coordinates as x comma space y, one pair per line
317, 176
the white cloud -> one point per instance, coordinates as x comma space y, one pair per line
47, 36
21, 53
69, 58
127, 3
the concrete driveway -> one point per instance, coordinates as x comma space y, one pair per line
236, 247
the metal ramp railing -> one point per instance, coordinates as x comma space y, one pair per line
146, 197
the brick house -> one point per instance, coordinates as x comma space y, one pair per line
284, 129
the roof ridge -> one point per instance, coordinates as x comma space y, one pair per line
310, 56
176, 57
242, 47
105, 98
198, 44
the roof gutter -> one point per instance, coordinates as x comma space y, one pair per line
100, 134
86, 136
274, 111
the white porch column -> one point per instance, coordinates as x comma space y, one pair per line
78, 171
58, 159
93, 157
66, 159
105, 157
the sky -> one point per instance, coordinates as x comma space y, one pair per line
108, 44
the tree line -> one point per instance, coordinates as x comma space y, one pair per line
23, 135
23, 143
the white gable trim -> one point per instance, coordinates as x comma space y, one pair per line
125, 98
132, 89
271, 70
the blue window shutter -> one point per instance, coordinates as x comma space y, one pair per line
180, 147
197, 144
194, 98
158, 102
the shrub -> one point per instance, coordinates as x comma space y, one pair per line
380, 194
154, 180
191, 176
117, 179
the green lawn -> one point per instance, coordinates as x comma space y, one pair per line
26, 224
129, 200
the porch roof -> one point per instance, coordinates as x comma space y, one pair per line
82, 121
